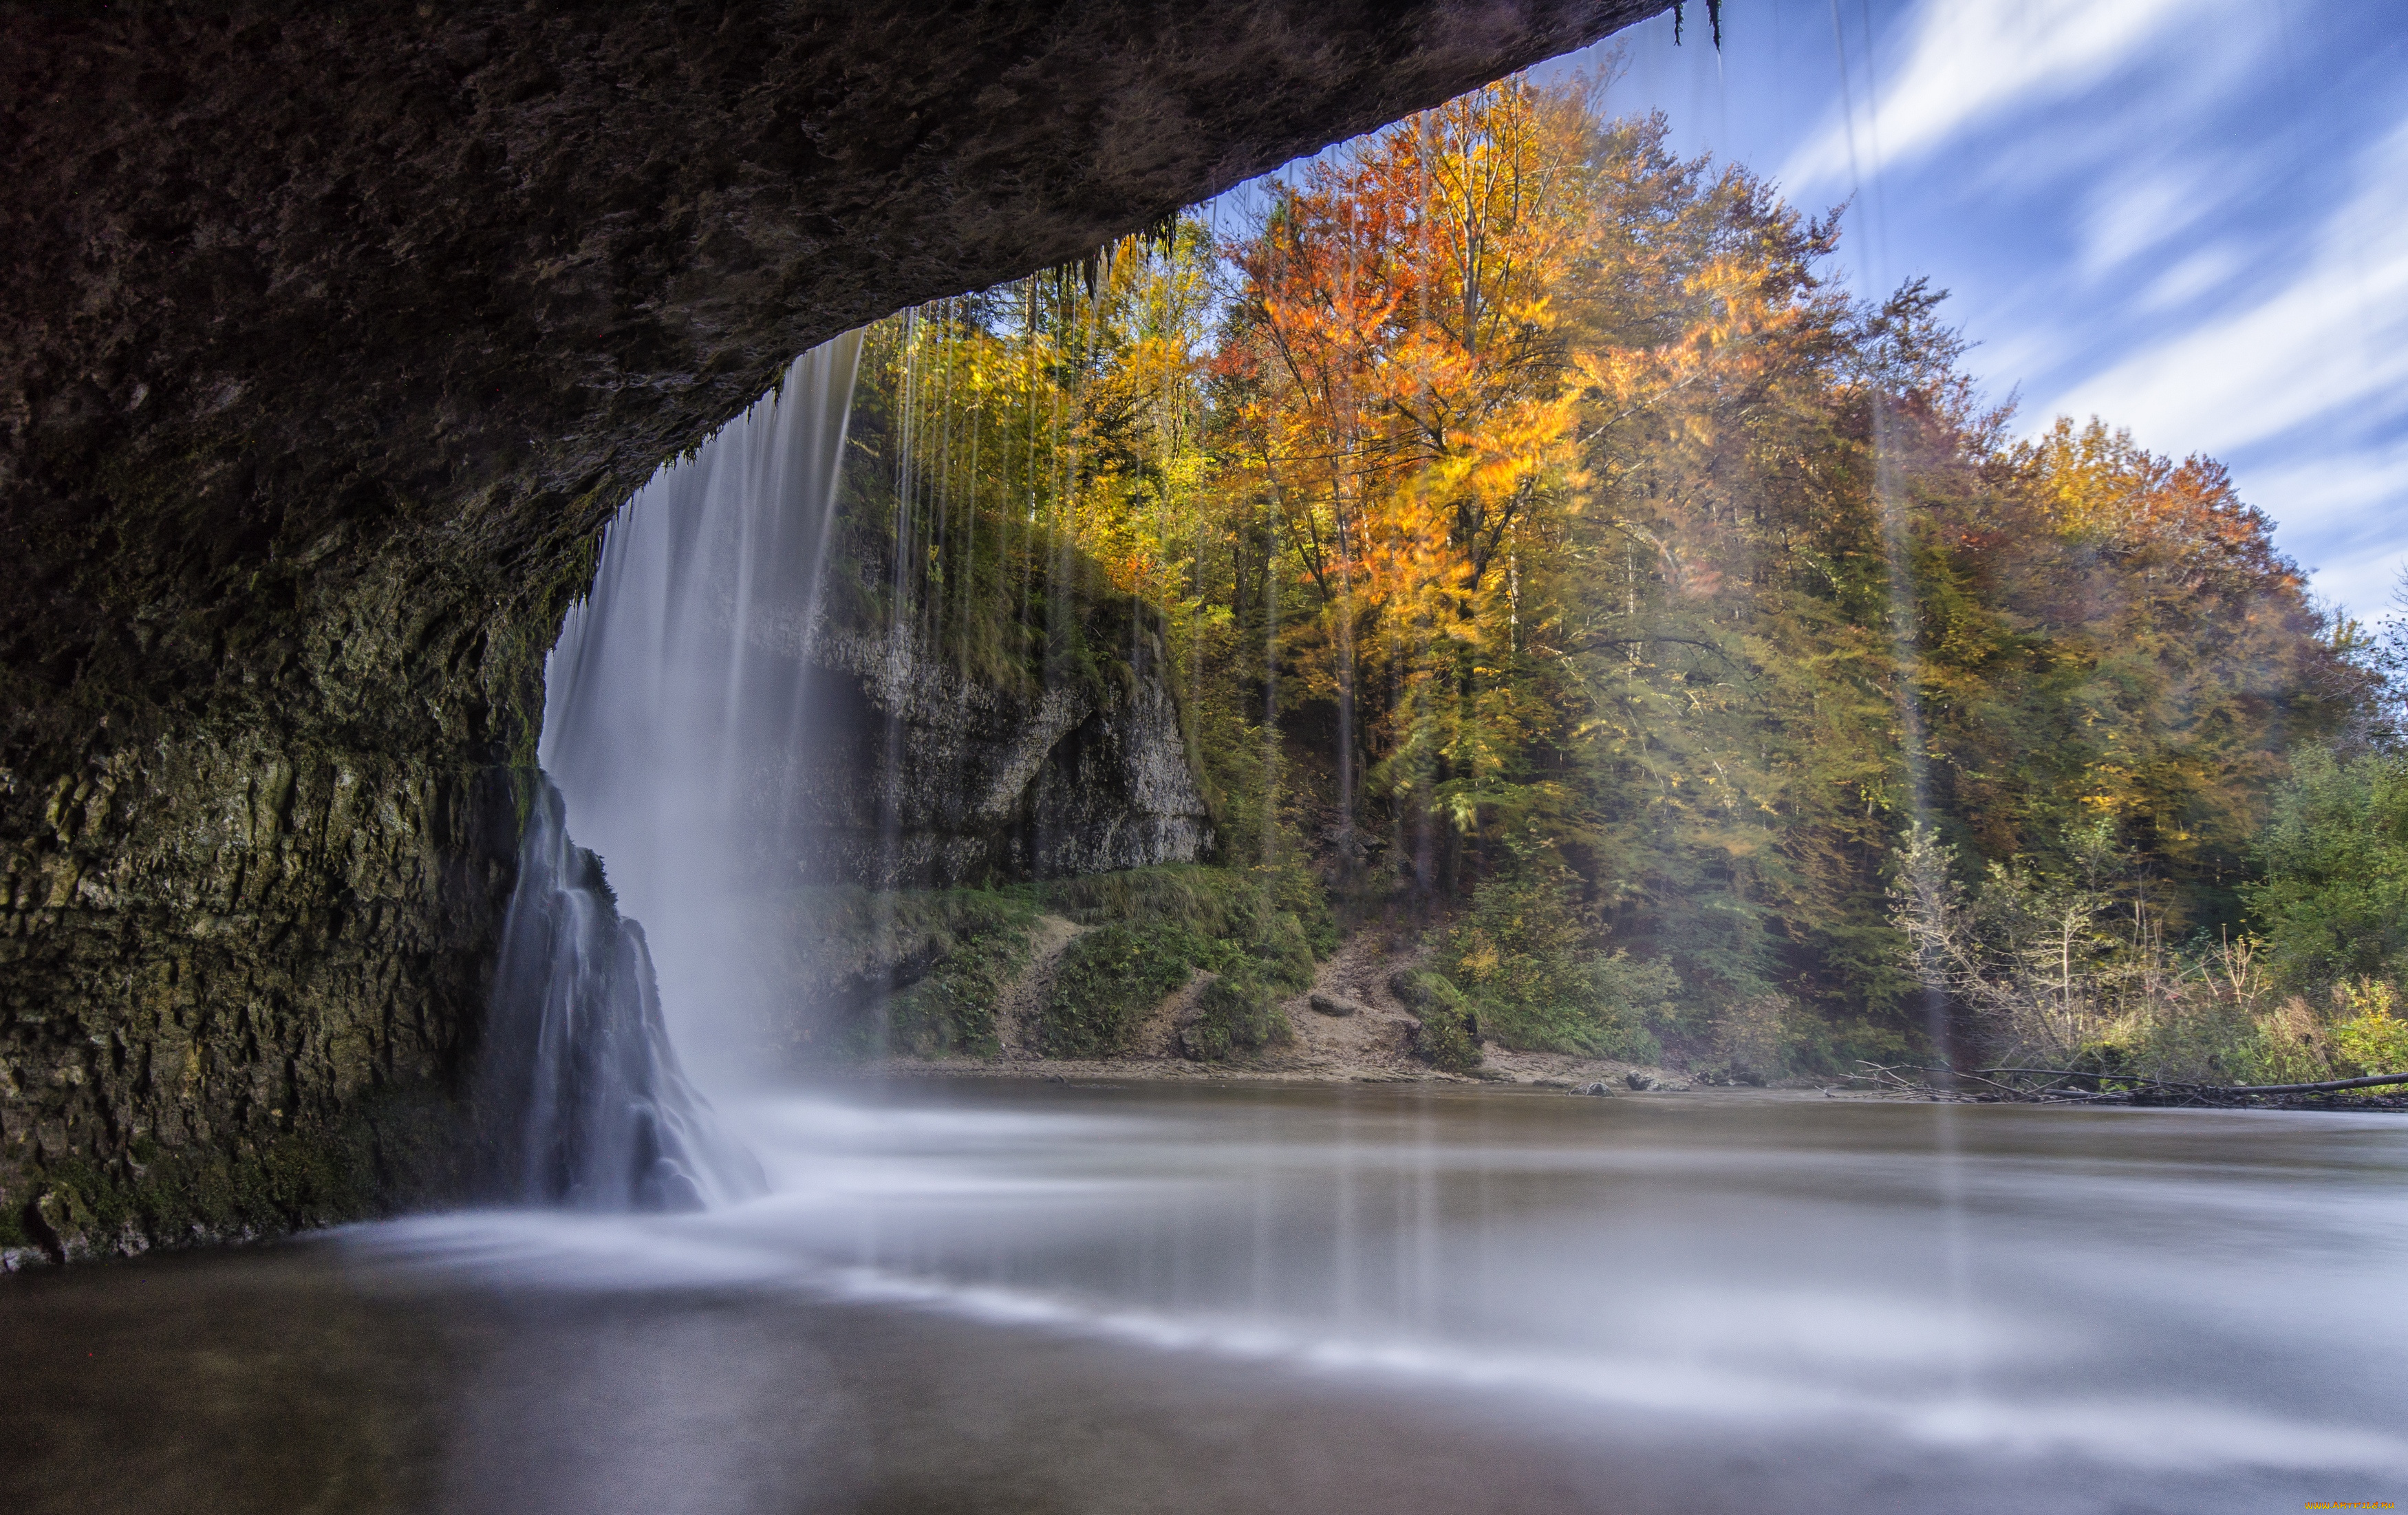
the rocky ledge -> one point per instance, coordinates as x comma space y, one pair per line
334, 336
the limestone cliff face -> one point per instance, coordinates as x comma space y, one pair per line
241, 944
334, 334
932, 777
241, 969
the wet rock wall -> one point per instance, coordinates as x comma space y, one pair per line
334, 334
932, 777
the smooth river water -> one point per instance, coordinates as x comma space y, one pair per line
990, 1297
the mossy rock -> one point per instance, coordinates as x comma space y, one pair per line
396, 1149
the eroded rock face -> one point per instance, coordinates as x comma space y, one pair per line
332, 338
930, 777
235, 973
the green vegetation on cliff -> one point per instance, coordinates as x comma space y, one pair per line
1106, 982
1550, 552
858, 971
921, 972
1255, 930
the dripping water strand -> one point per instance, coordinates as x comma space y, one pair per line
1905, 645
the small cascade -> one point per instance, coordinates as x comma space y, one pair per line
676, 706
610, 1121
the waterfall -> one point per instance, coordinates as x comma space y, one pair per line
607, 1119
676, 705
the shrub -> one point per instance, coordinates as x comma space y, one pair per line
1627, 995
2370, 1039
1752, 1040
1233, 1016
1107, 981
2334, 900
2061, 972
2285, 1045
1448, 1036
1520, 957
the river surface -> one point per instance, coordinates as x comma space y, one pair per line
1002, 1297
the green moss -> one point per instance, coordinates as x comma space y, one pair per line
952, 1010
395, 1148
1234, 1015
919, 972
916, 971
1155, 928
1243, 921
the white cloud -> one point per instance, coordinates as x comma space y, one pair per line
2191, 278
2135, 212
2004, 362
2342, 515
2364, 588
2330, 345
1967, 60
2311, 375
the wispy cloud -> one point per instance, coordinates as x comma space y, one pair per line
2330, 344
2194, 275
2310, 373
2343, 516
1967, 62
2134, 213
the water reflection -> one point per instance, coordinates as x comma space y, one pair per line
1040, 1297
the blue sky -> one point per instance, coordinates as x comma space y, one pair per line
2188, 217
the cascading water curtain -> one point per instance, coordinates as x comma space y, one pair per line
608, 1120
678, 706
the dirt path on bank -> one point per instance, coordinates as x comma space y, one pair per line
1015, 1011
1375, 1038
1372, 1042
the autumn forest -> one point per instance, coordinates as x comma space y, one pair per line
1558, 562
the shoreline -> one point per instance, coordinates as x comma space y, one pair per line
1094, 1073
1347, 1026
1142, 1070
